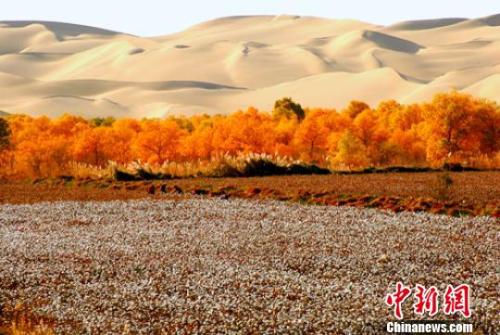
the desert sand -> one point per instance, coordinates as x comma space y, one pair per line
220, 66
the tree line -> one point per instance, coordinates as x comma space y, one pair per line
451, 128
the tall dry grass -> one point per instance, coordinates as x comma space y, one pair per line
223, 166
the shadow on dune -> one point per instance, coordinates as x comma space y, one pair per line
61, 30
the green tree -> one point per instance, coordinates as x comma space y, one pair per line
4, 134
351, 151
288, 108
103, 122
355, 108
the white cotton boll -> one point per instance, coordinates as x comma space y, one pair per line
136, 263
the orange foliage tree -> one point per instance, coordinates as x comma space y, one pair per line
158, 141
460, 127
452, 128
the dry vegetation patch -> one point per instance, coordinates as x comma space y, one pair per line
456, 194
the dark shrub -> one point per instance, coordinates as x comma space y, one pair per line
151, 189
395, 169
457, 167
262, 167
146, 174
306, 169
120, 175
224, 170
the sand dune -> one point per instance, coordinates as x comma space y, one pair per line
493, 20
487, 87
60, 105
51, 68
426, 24
61, 30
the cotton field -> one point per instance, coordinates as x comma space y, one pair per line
211, 266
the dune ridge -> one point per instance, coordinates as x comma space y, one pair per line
219, 66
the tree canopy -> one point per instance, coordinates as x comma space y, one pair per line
453, 128
4, 133
288, 108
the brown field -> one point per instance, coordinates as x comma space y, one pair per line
473, 193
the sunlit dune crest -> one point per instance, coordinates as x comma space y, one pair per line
49, 68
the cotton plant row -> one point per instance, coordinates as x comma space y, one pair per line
214, 266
